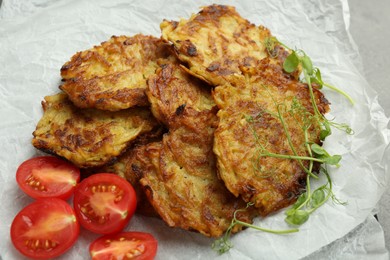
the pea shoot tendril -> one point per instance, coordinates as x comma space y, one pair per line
309, 200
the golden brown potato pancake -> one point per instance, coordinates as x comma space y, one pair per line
217, 43
112, 76
266, 113
179, 173
180, 180
171, 89
88, 137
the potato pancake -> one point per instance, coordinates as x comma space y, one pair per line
180, 180
88, 137
171, 89
217, 43
179, 173
265, 114
112, 76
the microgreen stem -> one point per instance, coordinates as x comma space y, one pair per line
295, 157
307, 144
328, 195
291, 144
340, 91
308, 191
286, 231
223, 244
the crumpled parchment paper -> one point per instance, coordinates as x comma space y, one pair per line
38, 36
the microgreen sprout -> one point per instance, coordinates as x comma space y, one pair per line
298, 57
309, 200
224, 244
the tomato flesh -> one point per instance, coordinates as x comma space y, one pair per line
126, 245
45, 228
47, 177
104, 203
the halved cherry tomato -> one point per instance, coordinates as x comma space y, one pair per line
45, 228
126, 245
104, 203
47, 177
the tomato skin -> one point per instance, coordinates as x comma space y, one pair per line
118, 245
51, 222
47, 177
104, 203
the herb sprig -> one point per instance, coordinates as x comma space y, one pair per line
298, 57
309, 201
223, 244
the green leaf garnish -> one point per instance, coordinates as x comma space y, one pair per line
317, 197
333, 160
297, 217
318, 149
326, 131
307, 64
291, 62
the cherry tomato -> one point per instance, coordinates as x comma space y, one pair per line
45, 228
104, 203
126, 245
47, 177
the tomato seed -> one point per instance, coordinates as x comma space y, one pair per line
47, 244
118, 198
35, 183
102, 219
136, 251
40, 244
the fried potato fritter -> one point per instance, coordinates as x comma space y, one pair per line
170, 90
179, 173
113, 76
88, 137
265, 114
216, 43
181, 182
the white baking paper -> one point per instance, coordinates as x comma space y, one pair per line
37, 37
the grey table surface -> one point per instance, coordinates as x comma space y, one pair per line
369, 29
370, 22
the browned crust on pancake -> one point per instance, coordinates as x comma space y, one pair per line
217, 43
112, 76
88, 137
